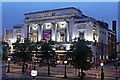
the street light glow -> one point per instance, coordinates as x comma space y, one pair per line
34, 73
101, 64
65, 62
9, 59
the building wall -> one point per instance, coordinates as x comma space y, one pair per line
76, 25
118, 50
112, 45
8, 37
118, 22
103, 42
51, 13
18, 33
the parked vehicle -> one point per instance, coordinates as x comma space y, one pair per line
118, 63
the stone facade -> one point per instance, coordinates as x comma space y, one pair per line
63, 25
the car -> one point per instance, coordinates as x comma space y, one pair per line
118, 63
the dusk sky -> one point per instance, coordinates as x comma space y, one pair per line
13, 12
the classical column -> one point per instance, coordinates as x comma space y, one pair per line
67, 35
14, 35
39, 32
25, 30
28, 32
70, 30
54, 28
28, 28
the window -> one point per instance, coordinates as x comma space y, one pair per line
105, 33
81, 34
47, 35
33, 37
61, 36
18, 38
93, 36
53, 14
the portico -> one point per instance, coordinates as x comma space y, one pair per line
57, 31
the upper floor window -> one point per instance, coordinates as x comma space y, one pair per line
105, 33
81, 34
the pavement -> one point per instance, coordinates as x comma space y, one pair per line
14, 76
57, 73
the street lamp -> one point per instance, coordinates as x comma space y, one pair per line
116, 70
96, 54
8, 65
65, 75
34, 73
102, 73
34, 61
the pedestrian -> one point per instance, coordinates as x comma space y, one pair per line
26, 66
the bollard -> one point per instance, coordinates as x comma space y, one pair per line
97, 76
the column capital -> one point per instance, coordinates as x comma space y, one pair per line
53, 22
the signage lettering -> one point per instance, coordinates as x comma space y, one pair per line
47, 14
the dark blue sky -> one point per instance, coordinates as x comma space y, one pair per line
13, 12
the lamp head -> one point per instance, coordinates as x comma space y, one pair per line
9, 59
101, 64
65, 62
34, 73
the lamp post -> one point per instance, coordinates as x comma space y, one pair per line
8, 70
65, 75
34, 71
8, 65
116, 71
96, 64
102, 73
34, 61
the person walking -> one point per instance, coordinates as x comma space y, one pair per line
26, 66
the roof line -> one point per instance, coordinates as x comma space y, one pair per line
53, 10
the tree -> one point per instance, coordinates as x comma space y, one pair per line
22, 53
81, 55
6, 50
48, 53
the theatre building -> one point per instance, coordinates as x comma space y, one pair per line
63, 25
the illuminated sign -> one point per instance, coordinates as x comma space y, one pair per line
47, 14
